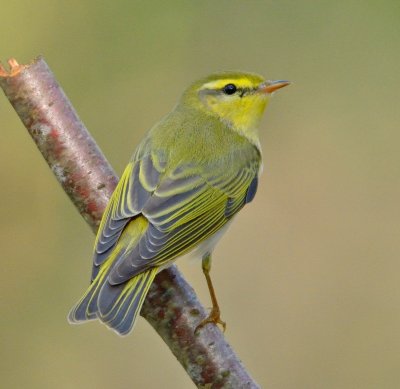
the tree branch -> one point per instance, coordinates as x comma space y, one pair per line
171, 306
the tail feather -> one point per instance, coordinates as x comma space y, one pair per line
119, 305
86, 308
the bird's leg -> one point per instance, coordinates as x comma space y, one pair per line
215, 314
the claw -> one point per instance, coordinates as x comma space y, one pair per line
214, 317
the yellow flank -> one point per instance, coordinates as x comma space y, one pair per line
191, 174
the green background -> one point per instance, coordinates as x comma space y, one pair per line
308, 276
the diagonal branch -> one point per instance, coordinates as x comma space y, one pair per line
171, 307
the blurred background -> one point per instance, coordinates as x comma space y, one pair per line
308, 276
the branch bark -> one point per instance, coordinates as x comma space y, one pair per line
171, 307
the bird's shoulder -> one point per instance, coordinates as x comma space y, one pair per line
199, 141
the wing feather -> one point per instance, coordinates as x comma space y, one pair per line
183, 206
131, 194
186, 221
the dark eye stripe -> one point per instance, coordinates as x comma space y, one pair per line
240, 91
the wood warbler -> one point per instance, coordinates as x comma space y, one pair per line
186, 181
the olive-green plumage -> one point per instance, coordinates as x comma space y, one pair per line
190, 175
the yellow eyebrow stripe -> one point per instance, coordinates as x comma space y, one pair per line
239, 82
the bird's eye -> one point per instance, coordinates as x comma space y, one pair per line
230, 89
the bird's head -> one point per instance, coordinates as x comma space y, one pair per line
237, 98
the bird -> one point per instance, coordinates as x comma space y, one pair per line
188, 178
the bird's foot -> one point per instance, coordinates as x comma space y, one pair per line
214, 317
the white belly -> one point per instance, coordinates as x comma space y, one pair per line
209, 244
204, 247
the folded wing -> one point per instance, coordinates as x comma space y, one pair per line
183, 207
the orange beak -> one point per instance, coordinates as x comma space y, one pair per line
272, 86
